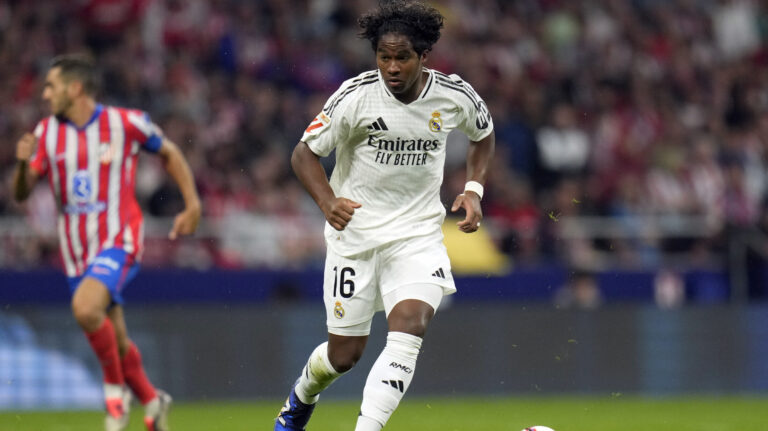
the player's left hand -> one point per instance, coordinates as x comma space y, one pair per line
470, 201
185, 222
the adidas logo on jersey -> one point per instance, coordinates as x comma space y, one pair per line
378, 125
397, 384
439, 273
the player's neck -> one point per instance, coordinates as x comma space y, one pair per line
418, 87
81, 111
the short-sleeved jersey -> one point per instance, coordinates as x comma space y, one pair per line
91, 171
390, 155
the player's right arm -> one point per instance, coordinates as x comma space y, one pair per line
24, 178
327, 130
306, 164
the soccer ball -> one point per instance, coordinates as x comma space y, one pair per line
538, 428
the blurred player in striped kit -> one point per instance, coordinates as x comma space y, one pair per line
89, 152
382, 207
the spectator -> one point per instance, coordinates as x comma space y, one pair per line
628, 84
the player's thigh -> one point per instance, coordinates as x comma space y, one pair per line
350, 293
416, 268
90, 295
113, 269
417, 301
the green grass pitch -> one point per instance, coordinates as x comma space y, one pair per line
587, 413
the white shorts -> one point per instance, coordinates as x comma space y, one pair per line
356, 287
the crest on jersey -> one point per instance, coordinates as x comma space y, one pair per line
338, 310
435, 123
105, 152
82, 186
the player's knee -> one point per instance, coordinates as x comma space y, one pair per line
417, 329
411, 317
414, 325
344, 364
87, 316
344, 359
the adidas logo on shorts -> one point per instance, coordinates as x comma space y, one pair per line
439, 273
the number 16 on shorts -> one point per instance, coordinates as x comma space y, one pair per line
350, 289
343, 283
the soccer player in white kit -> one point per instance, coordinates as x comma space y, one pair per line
382, 206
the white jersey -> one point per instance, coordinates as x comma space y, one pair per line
390, 155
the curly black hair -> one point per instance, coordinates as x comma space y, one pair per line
418, 22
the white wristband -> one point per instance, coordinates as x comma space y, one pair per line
474, 186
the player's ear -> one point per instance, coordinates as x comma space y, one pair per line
75, 88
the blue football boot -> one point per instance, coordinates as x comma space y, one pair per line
294, 415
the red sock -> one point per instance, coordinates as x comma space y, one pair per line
136, 377
104, 344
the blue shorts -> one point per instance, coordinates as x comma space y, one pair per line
113, 267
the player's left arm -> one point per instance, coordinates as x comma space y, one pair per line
479, 155
176, 164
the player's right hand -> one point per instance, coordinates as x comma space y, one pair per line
185, 222
25, 147
339, 212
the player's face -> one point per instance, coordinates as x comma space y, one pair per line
56, 92
400, 66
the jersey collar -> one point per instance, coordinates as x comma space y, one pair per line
94, 116
424, 91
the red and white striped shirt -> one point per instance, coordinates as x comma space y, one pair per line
91, 171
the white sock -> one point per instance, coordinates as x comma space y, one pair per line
152, 408
365, 423
112, 390
317, 375
388, 380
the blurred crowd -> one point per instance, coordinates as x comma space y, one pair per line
632, 109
